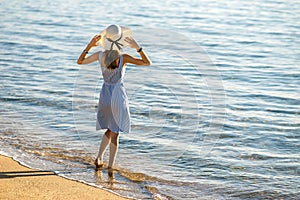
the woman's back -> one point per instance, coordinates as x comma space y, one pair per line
111, 76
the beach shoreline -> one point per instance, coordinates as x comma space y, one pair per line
20, 182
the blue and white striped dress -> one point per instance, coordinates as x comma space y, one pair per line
113, 108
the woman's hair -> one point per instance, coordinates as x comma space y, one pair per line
111, 58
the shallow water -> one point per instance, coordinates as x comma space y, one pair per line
215, 117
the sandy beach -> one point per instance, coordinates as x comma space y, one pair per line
19, 182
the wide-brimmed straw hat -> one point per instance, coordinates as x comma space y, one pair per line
112, 38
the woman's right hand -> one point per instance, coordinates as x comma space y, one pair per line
132, 43
94, 40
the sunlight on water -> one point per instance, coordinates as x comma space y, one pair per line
215, 117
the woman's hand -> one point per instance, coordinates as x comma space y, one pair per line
94, 40
132, 43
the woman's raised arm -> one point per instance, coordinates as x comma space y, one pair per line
145, 61
94, 57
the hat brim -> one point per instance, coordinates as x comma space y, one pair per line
106, 45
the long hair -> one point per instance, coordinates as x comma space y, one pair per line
111, 58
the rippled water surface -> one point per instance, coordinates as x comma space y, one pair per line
215, 117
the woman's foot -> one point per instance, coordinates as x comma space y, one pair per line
110, 172
98, 163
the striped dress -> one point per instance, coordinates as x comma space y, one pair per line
113, 109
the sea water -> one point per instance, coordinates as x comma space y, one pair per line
215, 117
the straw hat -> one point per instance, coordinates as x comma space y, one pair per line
112, 38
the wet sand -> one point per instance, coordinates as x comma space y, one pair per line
20, 182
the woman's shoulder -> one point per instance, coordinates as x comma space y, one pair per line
127, 55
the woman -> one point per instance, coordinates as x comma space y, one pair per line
113, 111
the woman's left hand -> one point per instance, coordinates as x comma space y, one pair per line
94, 40
132, 43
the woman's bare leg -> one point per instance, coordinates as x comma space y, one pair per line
106, 140
113, 149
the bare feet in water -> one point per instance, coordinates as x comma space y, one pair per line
98, 163
110, 172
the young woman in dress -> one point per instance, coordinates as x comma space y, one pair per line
113, 110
